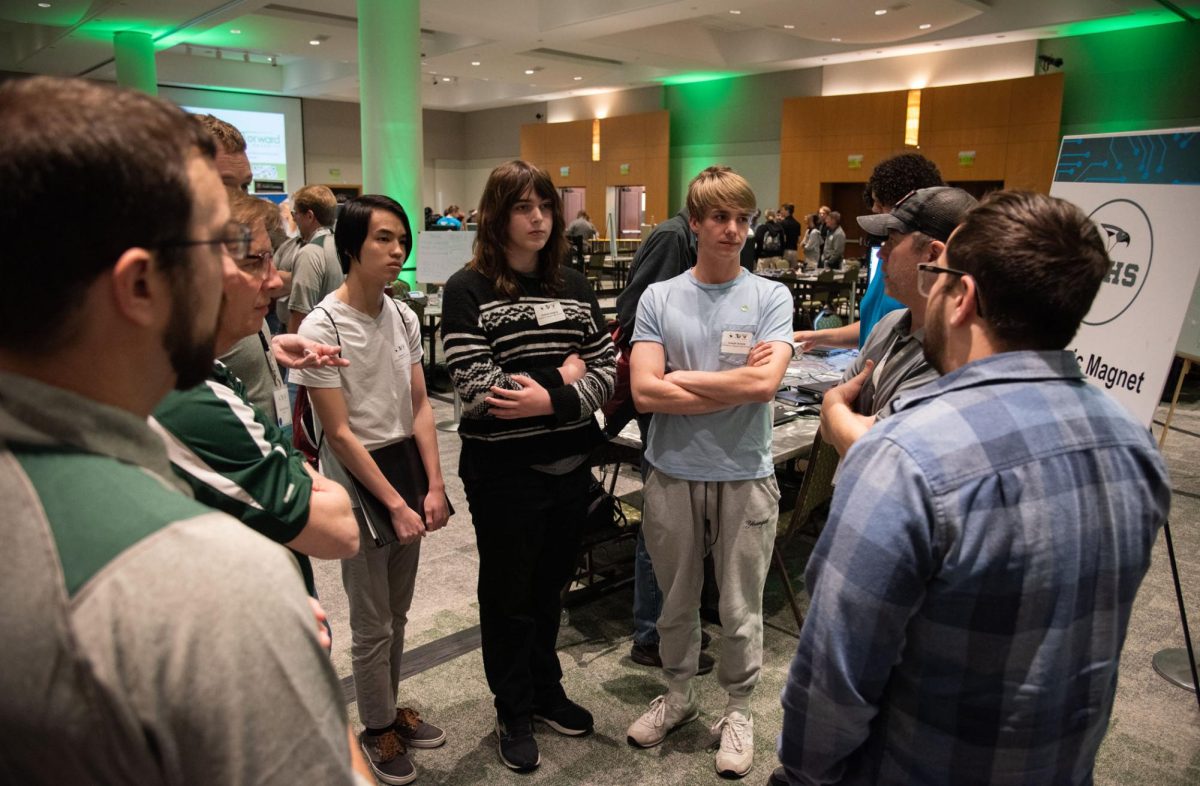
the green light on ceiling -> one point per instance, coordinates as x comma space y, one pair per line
1114, 23
698, 76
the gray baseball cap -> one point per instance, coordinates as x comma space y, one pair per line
934, 211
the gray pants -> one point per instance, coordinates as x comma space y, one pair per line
379, 587
741, 518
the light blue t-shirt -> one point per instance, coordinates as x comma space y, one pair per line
688, 318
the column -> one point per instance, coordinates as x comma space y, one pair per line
134, 53
389, 74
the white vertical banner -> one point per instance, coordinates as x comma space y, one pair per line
1143, 190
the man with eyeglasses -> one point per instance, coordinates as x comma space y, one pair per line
232, 453
972, 588
892, 360
151, 639
316, 270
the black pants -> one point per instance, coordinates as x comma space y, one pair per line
527, 528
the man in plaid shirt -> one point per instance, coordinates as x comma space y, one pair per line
971, 592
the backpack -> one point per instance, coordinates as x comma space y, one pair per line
304, 427
773, 242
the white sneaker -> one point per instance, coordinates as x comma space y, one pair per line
660, 720
736, 755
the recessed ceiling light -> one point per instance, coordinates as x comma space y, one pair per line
43, 5
315, 42
445, 79
881, 12
836, 40
475, 62
529, 72
924, 26
578, 79
789, 27
235, 31
734, 11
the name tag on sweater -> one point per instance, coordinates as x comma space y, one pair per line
549, 313
736, 342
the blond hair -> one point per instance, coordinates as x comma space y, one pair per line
719, 186
320, 200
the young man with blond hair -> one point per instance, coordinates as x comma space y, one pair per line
316, 270
711, 484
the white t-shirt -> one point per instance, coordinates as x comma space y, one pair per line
377, 385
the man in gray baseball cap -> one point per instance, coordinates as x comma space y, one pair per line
892, 360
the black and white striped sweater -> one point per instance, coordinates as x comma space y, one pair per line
488, 337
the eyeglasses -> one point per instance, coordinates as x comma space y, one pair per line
234, 237
257, 265
927, 274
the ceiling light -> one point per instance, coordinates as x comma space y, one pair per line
881, 12
836, 40
475, 62
529, 72
445, 79
734, 11
925, 26
578, 79
235, 31
789, 27
43, 5
315, 42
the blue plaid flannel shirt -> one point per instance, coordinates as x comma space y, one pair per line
972, 589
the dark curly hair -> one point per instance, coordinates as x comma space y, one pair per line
896, 176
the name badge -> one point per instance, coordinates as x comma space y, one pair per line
283, 407
548, 313
736, 342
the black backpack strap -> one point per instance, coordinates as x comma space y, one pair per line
337, 337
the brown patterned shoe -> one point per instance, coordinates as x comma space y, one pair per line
416, 732
388, 759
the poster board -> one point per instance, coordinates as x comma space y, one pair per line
442, 254
1143, 190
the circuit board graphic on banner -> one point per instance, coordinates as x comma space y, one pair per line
1143, 190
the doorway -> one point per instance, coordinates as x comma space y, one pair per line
574, 199
627, 206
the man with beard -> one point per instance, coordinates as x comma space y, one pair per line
892, 360
153, 639
972, 589
231, 452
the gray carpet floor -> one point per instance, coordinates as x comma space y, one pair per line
1154, 736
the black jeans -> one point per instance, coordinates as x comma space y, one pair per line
527, 527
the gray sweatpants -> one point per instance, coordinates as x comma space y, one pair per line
740, 530
379, 585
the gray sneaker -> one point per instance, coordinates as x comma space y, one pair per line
415, 732
388, 757
736, 754
663, 717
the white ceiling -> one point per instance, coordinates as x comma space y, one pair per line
575, 47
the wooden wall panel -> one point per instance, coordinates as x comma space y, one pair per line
1012, 125
642, 141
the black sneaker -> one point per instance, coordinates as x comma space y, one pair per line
647, 655
388, 758
566, 717
518, 748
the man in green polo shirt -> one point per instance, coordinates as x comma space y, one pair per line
149, 639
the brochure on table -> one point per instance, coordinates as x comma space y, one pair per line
1143, 190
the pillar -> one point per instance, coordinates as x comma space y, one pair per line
134, 53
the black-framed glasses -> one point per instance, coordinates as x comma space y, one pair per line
927, 275
234, 237
257, 265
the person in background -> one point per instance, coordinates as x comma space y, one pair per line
890, 180
972, 588
768, 237
377, 401
834, 248
791, 234
153, 638
233, 164
711, 484
316, 270
812, 243
452, 218
582, 227
531, 360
